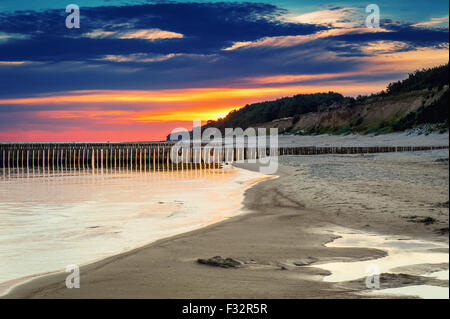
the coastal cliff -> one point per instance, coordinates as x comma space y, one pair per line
421, 100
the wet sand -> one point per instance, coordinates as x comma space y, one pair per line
282, 239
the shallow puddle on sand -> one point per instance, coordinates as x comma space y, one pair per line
443, 274
400, 252
422, 291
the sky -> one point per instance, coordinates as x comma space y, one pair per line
137, 69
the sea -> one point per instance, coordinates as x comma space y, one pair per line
52, 219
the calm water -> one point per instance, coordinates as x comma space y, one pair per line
50, 220
400, 253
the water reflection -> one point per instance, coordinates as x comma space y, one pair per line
401, 253
54, 217
60, 171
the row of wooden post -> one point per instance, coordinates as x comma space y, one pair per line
160, 157
313, 150
132, 158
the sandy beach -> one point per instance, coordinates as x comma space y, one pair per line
224, 158
286, 235
350, 140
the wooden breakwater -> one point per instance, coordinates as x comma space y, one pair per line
133, 156
313, 150
157, 156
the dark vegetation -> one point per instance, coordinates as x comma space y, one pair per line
435, 113
427, 81
419, 80
285, 107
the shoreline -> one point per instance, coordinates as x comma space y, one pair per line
271, 240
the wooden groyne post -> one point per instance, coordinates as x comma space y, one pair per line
158, 156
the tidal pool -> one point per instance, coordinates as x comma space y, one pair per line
401, 252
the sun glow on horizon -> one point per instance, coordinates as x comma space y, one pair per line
96, 112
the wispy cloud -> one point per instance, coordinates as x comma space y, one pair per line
144, 34
286, 41
433, 21
334, 17
11, 36
13, 62
138, 58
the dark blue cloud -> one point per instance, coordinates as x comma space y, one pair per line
417, 37
67, 60
206, 28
